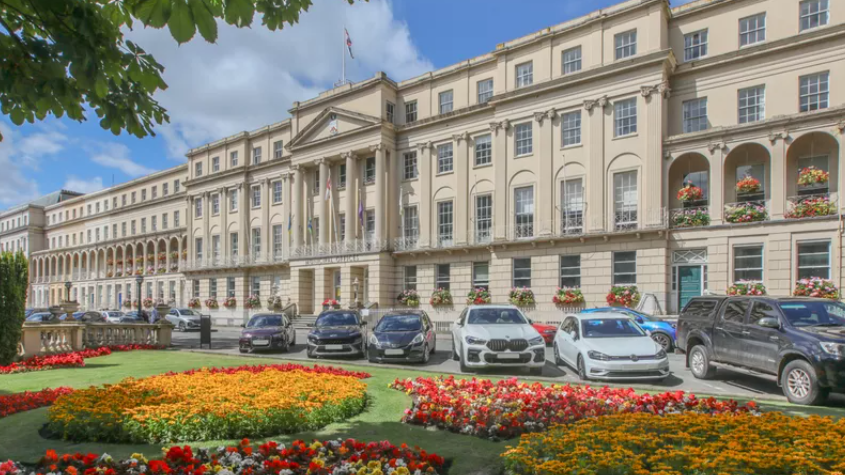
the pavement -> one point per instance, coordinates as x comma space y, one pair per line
727, 383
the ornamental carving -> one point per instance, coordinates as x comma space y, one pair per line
377, 147
712, 147
461, 136
774, 136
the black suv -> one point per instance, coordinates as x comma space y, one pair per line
338, 333
801, 341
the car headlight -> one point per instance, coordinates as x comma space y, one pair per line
374, 341
835, 349
357, 339
277, 336
660, 355
417, 339
475, 341
312, 338
595, 355
537, 340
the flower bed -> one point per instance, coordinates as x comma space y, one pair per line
73, 359
746, 213
25, 401
747, 287
208, 404
623, 296
568, 296
522, 296
411, 298
508, 408
338, 457
816, 287
632, 444
440, 297
478, 296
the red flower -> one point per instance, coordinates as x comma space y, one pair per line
25, 401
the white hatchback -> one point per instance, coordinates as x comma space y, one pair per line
609, 346
497, 336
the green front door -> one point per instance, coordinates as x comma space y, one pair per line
689, 284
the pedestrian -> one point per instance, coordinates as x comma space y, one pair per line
154, 316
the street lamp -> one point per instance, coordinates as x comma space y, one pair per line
140, 280
67, 286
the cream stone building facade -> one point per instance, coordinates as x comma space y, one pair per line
554, 160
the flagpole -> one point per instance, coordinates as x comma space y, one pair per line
343, 50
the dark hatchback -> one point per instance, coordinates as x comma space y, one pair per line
338, 333
267, 331
403, 337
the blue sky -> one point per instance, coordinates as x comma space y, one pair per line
251, 77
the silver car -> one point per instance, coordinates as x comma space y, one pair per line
184, 318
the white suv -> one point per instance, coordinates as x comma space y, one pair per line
487, 336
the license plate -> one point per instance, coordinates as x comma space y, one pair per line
509, 356
394, 352
261, 342
334, 347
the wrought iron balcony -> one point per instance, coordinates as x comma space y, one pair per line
746, 212
812, 206
690, 217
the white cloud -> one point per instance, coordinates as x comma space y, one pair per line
116, 155
252, 76
82, 185
16, 187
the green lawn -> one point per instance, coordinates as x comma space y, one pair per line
20, 440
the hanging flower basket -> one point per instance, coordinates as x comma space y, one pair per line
440, 297
184, 253
151, 257
230, 302
162, 256
162, 269
690, 193
811, 208
148, 302
410, 298
174, 255
568, 296
748, 184
747, 287
194, 303
129, 303
211, 303
329, 304
623, 296
252, 302
521, 296
130, 261
816, 287
110, 262
746, 213
478, 296
139, 271
812, 176
151, 270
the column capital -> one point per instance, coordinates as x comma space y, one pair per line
423, 146
296, 168
320, 161
377, 147
541, 116
461, 136
602, 102
774, 136
285, 176
713, 146
662, 88
841, 127
348, 155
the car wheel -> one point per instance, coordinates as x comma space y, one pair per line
800, 384
699, 363
455, 355
464, 368
293, 340
426, 354
286, 347
582, 370
662, 339
181, 327
243, 349
558, 359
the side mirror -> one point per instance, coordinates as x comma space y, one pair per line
574, 335
639, 319
243, 325
531, 322
364, 323
768, 322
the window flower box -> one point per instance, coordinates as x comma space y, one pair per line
329, 304
746, 213
811, 208
568, 296
623, 296
816, 287
813, 177
440, 297
230, 302
194, 303
748, 184
410, 298
252, 302
478, 296
747, 287
690, 193
692, 217
211, 303
522, 297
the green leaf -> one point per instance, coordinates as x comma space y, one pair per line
154, 13
204, 19
181, 22
101, 87
239, 12
17, 116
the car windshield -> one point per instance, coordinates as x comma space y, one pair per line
812, 313
336, 320
610, 328
188, 312
400, 323
115, 314
496, 316
259, 321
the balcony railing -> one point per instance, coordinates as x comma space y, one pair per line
690, 217
357, 246
407, 243
625, 219
572, 220
746, 212
812, 206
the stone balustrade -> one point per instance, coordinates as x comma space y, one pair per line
60, 337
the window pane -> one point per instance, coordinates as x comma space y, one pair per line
571, 128
524, 139
485, 90
814, 260
570, 271
626, 44
483, 218
481, 275
695, 45
752, 29
483, 150
445, 102
524, 212
695, 115
572, 60
524, 74
522, 272
752, 104
444, 158
624, 268
626, 117
748, 263
442, 278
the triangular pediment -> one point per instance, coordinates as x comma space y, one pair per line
330, 123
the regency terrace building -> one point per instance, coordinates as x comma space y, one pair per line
554, 160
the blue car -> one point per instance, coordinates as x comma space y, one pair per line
661, 332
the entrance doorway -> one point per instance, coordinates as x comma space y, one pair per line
337, 284
689, 284
689, 276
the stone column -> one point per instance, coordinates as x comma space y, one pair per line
500, 164
777, 188
716, 160
206, 217
266, 199
322, 210
425, 211
596, 216
381, 205
545, 174
243, 222
285, 214
462, 191
296, 205
350, 206
651, 212
225, 250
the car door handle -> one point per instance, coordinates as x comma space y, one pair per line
719, 328
746, 332
774, 338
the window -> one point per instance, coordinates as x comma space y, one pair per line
695, 115
114, 200
524, 74
523, 139
814, 260
198, 169
133, 229
342, 227
752, 104
195, 284
215, 164
215, 248
410, 280
122, 232
370, 171
748, 263
316, 184
442, 278
735, 311
752, 29
485, 90
176, 185
212, 288
483, 218
444, 158
233, 244
176, 218
277, 192
256, 196
481, 275
256, 155
256, 286
164, 191
814, 92
143, 196
230, 286
571, 128
695, 45
572, 208
446, 101
143, 227
164, 221
369, 225
814, 13
410, 224
233, 200
342, 175
626, 44
625, 198
523, 199
570, 271
198, 248
445, 213
625, 113
278, 149
153, 224
215, 204
522, 272
409, 166
410, 112
390, 109
198, 207
233, 158
624, 267
277, 240
256, 242
571, 60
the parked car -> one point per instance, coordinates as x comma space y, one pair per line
184, 318
75, 316
497, 336
126, 318
800, 341
546, 331
338, 333
94, 316
41, 317
267, 331
661, 332
403, 336
29, 311
609, 346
